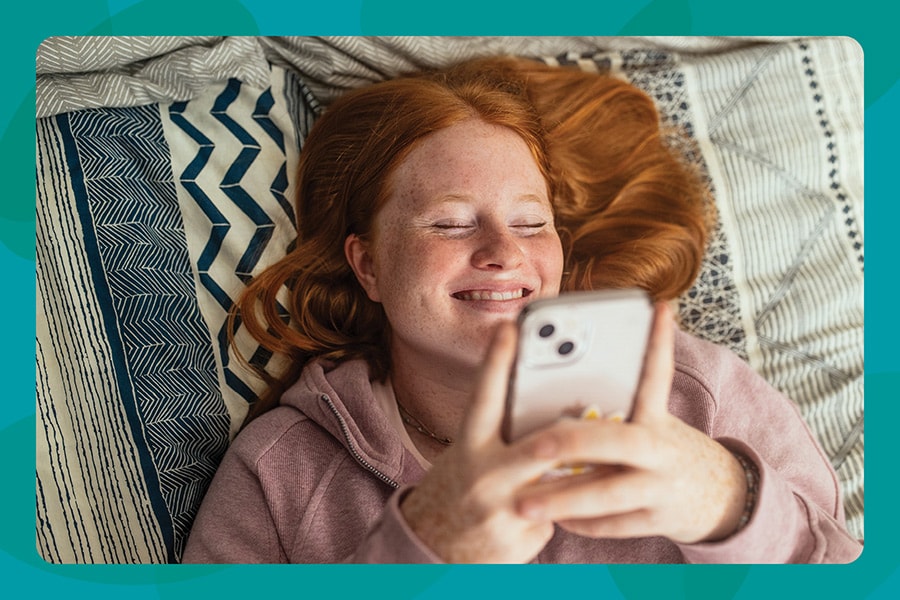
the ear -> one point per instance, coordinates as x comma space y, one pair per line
360, 260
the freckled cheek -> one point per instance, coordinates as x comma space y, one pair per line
548, 256
410, 263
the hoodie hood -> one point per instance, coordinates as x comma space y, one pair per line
339, 398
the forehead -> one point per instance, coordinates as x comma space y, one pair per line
469, 158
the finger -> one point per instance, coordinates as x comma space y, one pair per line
637, 524
595, 442
652, 398
485, 413
586, 498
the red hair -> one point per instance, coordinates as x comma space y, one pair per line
632, 213
629, 212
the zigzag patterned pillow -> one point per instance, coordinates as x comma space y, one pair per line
150, 221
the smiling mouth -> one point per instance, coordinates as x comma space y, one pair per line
482, 295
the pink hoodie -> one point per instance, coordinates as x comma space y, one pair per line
319, 479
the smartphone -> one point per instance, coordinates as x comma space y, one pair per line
579, 355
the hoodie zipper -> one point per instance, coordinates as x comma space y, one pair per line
352, 447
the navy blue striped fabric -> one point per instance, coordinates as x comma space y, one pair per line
165, 367
163, 240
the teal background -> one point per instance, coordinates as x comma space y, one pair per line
875, 575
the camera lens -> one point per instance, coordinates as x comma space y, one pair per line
546, 331
565, 348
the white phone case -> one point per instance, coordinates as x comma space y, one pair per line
580, 354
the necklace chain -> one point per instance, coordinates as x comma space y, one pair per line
420, 427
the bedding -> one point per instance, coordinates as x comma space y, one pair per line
164, 173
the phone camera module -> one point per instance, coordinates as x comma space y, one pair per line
565, 348
546, 331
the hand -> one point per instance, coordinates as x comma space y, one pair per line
658, 475
464, 508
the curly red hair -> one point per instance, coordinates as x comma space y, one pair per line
630, 212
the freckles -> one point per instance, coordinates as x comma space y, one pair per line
405, 257
423, 261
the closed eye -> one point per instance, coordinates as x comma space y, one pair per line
452, 226
453, 229
530, 227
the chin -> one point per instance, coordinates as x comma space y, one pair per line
478, 347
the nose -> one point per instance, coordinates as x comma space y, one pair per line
497, 248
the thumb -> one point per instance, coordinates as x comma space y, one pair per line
652, 398
485, 413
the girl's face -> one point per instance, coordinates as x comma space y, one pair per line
465, 240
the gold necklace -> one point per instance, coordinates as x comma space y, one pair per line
420, 427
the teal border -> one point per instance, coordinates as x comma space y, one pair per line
875, 575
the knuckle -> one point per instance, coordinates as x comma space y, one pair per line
549, 443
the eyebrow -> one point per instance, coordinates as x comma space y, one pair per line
465, 199
421, 213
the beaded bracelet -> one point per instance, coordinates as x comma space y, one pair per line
752, 475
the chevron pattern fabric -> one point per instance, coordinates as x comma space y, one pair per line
151, 217
233, 153
143, 307
165, 212
93, 500
77, 72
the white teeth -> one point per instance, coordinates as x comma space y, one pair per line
488, 295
